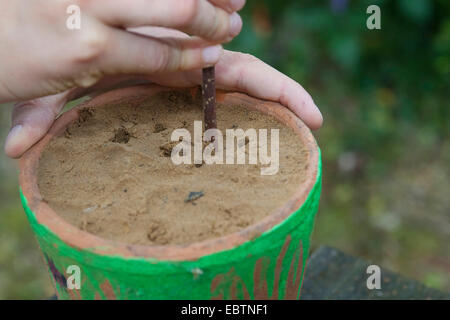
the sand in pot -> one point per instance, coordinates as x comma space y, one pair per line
111, 173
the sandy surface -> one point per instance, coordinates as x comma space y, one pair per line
111, 174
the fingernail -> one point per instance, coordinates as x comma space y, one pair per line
235, 24
237, 4
212, 54
13, 139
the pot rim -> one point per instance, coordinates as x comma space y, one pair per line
82, 240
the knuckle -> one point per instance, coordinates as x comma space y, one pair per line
91, 45
175, 59
186, 12
164, 58
220, 27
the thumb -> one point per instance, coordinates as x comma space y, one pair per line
30, 122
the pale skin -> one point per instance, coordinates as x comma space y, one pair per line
44, 65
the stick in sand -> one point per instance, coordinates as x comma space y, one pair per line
209, 98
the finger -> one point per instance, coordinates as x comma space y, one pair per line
196, 17
229, 5
256, 79
159, 32
245, 73
131, 53
31, 121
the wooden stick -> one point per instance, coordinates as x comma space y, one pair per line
209, 98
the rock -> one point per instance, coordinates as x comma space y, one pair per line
194, 195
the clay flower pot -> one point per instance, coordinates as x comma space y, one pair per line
263, 261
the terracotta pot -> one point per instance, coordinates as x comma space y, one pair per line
264, 261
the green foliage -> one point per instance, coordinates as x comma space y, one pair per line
22, 272
384, 96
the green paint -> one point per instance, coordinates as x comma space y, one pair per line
146, 278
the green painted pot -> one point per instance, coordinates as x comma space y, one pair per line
264, 261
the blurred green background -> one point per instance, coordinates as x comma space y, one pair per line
384, 95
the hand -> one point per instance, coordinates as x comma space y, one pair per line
234, 71
40, 56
